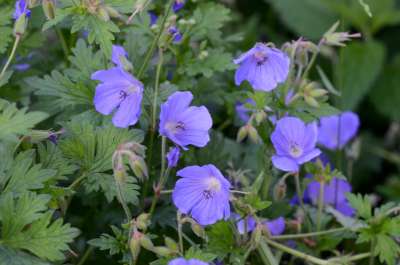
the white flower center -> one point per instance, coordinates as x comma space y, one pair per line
213, 186
174, 127
295, 150
260, 57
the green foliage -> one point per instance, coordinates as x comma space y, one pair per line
195, 253
16, 122
5, 28
114, 244
385, 95
364, 62
362, 204
42, 237
10, 256
221, 239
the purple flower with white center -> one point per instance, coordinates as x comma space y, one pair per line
263, 67
176, 35
118, 55
182, 261
118, 90
250, 226
183, 124
294, 143
334, 194
276, 226
202, 192
21, 8
173, 156
178, 5
337, 130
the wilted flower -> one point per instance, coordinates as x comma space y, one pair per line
331, 37
294, 143
176, 35
335, 131
202, 192
178, 5
21, 8
263, 67
334, 195
184, 124
118, 90
173, 156
182, 261
275, 226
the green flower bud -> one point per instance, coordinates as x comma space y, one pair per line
143, 221
253, 134
260, 116
162, 251
311, 101
139, 167
20, 25
316, 93
171, 244
48, 9
146, 243
134, 245
198, 230
243, 132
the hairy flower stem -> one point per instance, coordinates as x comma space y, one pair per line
11, 57
64, 44
150, 52
372, 249
300, 196
179, 223
312, 61
313, 234
156, 90
320, 204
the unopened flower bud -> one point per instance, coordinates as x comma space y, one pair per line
32, 3
260, 116
311, 101
333, 38
139, 167
143, 221
20, 25
319, 92
198, 230
253, 134
48, 9
171, 244
134, 245
203, 55
162, 251
146, 243
243, 132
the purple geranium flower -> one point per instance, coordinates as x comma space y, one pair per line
294, 143
173, 156
276, 226
182, 261
251, 223
182, 124
176, 35
264, 67
118, 90
335, 131
178, 5
202, 192
334, 195
153, 18
21, 8
118, 55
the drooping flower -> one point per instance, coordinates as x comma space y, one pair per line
118, 90
182, 261
21, 8
183, 124
173, 156
334, 195
275, 226
118, 55
202, 192
250, 226
175, 33
337, 130
294, 143
263, 67
178, 5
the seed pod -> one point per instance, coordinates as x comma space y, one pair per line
162, 251
142, 221
20, 25
146, 243
171, 244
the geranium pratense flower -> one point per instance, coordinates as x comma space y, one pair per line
202, 192
263, 67
240, 225
183, 124
173, 156
294, 143
276, 226
334, 195
21, 8
118, 55
118, 90
175, 33
182, 261
337, 130
178, 5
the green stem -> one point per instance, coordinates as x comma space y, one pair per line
312, 61
320, 204
296, 253
150, 52
86, 255
300, 196
10, 58
313, 234
122, 201
64, 44
156, 89
178, 219
372, 249
266, 254
77, 182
